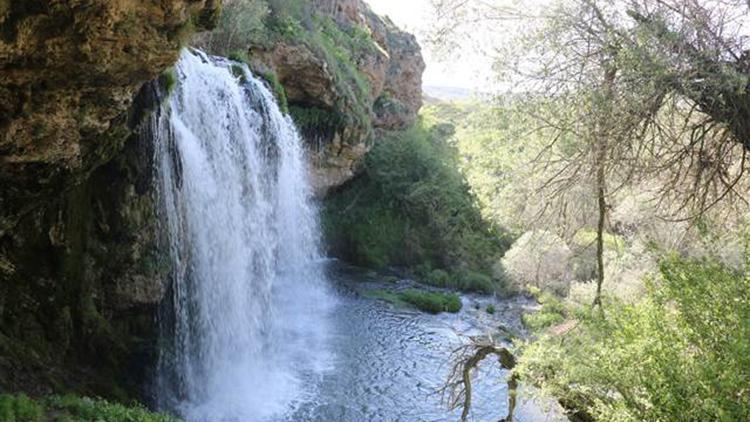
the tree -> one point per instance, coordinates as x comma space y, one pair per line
644, 88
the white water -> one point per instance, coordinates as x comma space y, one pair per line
248, 327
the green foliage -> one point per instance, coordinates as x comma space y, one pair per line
476, 282
85, 409
490, 309
20, 408
314, 121
681, 353
242, 23
169, 80
431, 302
439, 278
239, 56
552, 312
278, 90
412, 207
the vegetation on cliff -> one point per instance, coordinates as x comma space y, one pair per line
681, 350
412, 208
20, 408
361, 73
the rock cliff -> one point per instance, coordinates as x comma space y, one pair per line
347, 77
80, 273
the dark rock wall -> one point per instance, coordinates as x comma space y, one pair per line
80, 279
80, 270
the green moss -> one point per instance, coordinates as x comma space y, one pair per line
239, 56
314, 121
278, 90
155, 263
431, 302
169, 80
238, 72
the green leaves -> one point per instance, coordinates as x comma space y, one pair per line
412, 206
681, 353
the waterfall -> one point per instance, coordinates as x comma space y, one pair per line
245, 331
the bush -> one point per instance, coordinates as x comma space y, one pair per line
476, 282
432, 302
20, 408
242, 23
439, 278
491, 309
411, 207
540, 259
681, 353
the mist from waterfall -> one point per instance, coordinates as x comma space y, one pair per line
246, 328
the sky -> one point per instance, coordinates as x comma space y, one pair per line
470, 71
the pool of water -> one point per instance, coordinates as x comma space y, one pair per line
388, 364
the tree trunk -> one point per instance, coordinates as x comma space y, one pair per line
600, 162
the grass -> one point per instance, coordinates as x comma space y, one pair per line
20, 408
430, 302
490, 309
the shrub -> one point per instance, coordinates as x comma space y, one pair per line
439, 278
411, 207
87, 409
432, 302
242, 23
491, 309
540, 259
20, 408
680, 353
476, 282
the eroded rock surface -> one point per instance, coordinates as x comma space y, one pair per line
69, 73
80, 268
341, 110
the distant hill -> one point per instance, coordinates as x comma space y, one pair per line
435, 94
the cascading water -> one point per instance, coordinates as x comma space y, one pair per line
247, 328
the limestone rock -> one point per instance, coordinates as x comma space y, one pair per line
69, 73
340, 112
80, 267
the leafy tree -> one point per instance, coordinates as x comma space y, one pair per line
682, 353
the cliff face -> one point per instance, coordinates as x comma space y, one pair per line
351, 76
80, 272
70, 70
